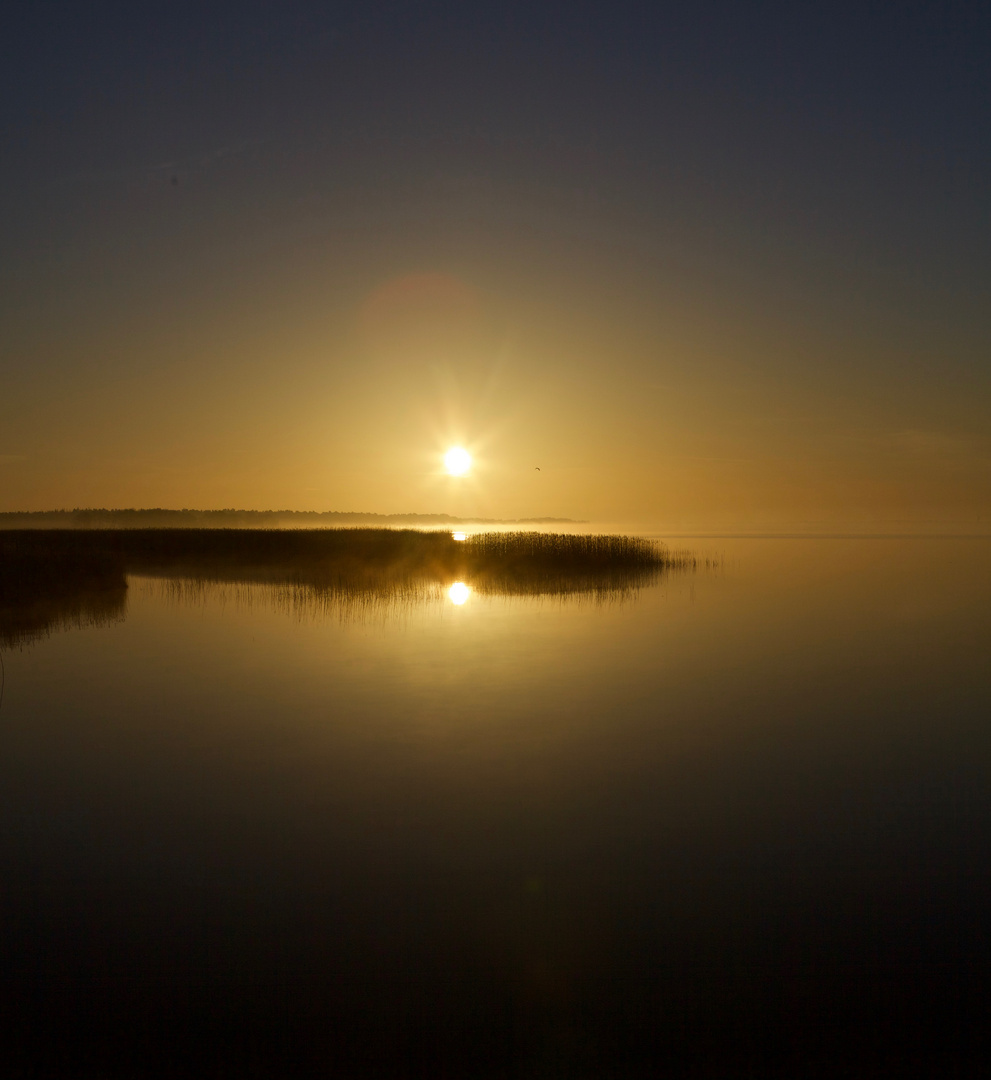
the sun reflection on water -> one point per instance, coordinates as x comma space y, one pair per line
458, 593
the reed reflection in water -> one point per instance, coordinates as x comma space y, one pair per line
49, 587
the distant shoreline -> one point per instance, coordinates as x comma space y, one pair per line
158, 518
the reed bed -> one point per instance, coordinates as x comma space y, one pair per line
65, 573
533, 563
49, 584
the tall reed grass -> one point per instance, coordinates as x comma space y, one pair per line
72, 571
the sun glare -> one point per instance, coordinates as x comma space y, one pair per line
458, 593
457, 461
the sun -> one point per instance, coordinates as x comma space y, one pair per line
457, 461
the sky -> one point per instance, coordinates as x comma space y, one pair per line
698, 266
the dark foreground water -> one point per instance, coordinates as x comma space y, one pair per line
737, 825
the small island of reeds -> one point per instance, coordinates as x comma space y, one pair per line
57, 576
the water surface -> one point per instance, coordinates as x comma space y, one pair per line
731, 823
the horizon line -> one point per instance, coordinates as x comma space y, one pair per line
365, 514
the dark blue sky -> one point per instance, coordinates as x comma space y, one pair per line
877, 114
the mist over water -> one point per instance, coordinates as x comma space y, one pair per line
728, 820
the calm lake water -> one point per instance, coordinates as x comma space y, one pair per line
735, 825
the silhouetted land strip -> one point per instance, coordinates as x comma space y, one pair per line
158, 518
51, 576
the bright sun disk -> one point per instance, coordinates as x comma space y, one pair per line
457, 461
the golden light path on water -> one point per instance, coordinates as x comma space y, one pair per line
459, 593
